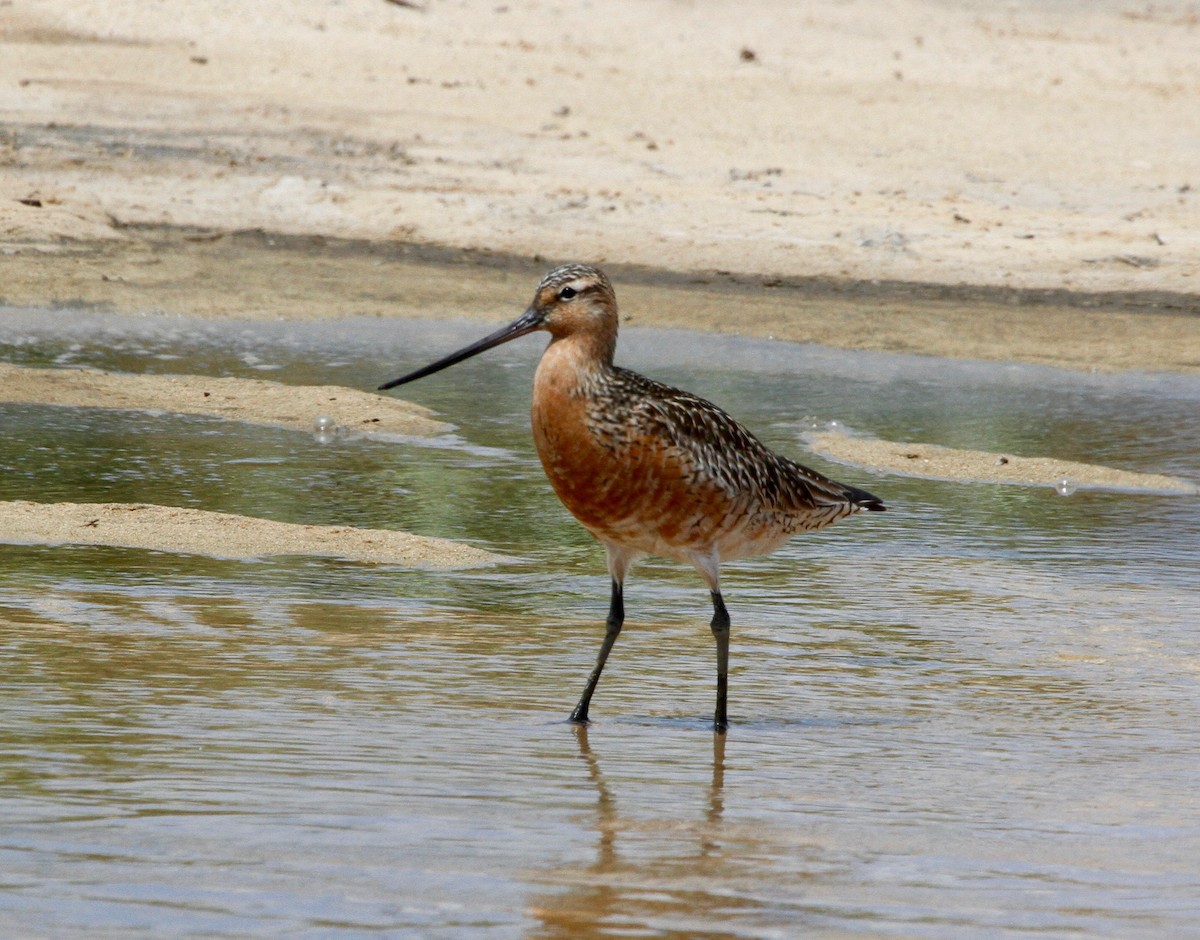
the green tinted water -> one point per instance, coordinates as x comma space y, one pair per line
975, 715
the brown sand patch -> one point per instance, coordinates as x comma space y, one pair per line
223, 535
933, 462
256, 275
253, 401
39, 222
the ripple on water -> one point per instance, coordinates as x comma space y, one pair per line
981, 695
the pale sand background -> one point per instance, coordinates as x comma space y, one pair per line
1038, 143
959, 179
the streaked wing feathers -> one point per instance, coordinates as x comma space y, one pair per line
720, 448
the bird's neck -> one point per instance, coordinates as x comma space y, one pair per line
583, 354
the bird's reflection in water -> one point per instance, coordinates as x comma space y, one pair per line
709, 842
648, 875
606, 807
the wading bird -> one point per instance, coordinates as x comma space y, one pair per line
649, 469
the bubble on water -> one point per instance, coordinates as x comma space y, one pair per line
1064, 487
325, 430
815, 423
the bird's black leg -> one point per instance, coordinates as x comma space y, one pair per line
720, 629
612, 629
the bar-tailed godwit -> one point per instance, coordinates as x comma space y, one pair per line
647, 468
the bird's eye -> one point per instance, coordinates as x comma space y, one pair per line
567, 293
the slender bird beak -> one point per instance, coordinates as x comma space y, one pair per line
527, 322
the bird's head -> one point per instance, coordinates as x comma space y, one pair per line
573, 299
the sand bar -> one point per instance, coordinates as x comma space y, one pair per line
933, 462
224, 535
298, 407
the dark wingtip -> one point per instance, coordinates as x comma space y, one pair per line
864, 500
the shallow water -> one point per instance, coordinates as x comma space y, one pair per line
974, 715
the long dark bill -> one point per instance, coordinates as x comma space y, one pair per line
527, 322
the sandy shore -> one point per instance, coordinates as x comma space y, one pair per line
915, 176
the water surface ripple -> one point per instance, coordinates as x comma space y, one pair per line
973, 716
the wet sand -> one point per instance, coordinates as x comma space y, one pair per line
223, 535
256, 275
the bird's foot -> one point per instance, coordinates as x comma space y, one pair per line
579, 716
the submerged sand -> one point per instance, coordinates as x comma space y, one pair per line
223, 535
